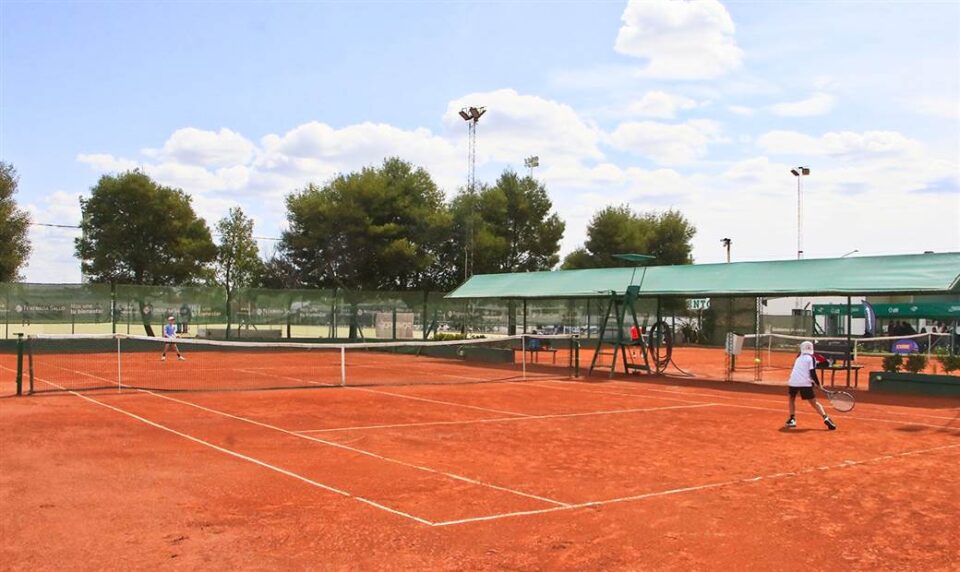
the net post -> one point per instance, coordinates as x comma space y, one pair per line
343, 366
19, 364
29, 348
523, 354
119, 382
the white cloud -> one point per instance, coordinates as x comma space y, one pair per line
680, 40
664, 142
740, 110
205, 148
816, 104
946, 107
836, 144
516, 126
661, 105
106, 162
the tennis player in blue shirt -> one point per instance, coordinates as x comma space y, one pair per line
169, 339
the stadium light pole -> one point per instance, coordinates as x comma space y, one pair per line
726, 242
471, 115
800, 173
530, 163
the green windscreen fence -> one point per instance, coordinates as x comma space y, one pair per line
208, 312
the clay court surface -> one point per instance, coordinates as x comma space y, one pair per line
551, 473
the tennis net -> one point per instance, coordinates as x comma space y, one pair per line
74, 363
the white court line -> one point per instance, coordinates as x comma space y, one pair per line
247, 458
504, 419
358, 451
297, 379
585, 390
754, 479
754, 399
402, 396
762, 400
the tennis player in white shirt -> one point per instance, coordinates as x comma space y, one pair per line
802, 378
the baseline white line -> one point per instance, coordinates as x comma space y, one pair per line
402, 396
358, 451
241, 456
504, 419
845, 416
747, 480
754, 399
763, 400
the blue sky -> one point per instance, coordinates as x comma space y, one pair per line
700, 106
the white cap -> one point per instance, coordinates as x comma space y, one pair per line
806, 348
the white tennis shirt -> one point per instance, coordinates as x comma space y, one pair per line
800, 375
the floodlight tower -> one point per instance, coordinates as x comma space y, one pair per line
472, 116
530, 163
726, 242
800, 173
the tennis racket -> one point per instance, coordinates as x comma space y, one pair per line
839, 400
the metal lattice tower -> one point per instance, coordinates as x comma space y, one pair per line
471, 115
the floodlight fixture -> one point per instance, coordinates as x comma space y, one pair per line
464, 115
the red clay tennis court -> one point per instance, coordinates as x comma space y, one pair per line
552, 472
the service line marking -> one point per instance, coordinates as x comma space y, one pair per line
507, 419
415, 398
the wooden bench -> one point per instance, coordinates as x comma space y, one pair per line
840, 353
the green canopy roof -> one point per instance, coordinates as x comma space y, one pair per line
900, 274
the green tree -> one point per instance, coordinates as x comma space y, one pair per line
14, 224
378, 228
619, 230
278, 272
238, 258
513, 228
135, 231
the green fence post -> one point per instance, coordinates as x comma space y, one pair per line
394, 330
19, 364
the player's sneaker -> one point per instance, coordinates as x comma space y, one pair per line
163, 358
790, 423
830, 424
181, 358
